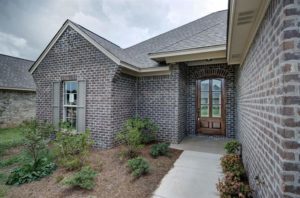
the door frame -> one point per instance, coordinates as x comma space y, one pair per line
223, 106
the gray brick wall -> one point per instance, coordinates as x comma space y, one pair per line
158, 99
197, 72
124, 99
73, 57
15, 107
268, 103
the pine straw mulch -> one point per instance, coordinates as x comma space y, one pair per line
113, 179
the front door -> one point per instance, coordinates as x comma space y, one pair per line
210, 106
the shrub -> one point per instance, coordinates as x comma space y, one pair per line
135, 133
36, 135
71, 149
161, 149
132, 139
31, 172
232, 147
232, 163
85, 178
138, 166
231, 186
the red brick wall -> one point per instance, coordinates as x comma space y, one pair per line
268, 103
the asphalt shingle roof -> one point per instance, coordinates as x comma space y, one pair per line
206, 31
14, 73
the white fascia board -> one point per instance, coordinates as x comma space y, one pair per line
187, 52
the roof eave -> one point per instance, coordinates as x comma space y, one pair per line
244, 20
195, 54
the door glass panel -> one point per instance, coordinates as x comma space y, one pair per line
216, 85
205, 85
204, 97
204, 111
216, 111
216, 97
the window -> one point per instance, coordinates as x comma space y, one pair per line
70, 102
210, 98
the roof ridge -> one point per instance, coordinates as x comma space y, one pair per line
187, 37
16, 57
95, 34
201, 18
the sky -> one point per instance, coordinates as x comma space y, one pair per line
27, 26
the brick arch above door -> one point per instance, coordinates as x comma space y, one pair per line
209, 71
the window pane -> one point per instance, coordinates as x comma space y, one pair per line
216, 111
73, 87
204, 97
205, 85
216, 85
204, 111
70, 97
216, 97
71, 116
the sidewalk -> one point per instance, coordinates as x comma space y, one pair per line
194, 175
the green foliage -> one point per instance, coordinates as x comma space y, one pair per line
3, 191
232, 163
71, 149
31, 172
85, 178
135, 133
15, 159
232, 147
10, 137
232, 186
3, 178
66, 126
138, 166
161, 149
37, 135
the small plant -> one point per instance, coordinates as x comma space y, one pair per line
161, 149
36, 135
31, 172
232, 163
132, 139
71, 149
138, 166
231, 186
85, 178
232, 147
135, 133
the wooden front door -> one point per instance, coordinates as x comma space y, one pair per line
210, 106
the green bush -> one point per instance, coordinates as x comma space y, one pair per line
37, 136
71, 149
231, 186
232, 147
85, 178
31, 172
232, 163
135, 133
161, 149
138, 166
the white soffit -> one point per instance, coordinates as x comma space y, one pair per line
244, 19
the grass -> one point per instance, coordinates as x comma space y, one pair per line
10, 137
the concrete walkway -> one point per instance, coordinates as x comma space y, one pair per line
195, 173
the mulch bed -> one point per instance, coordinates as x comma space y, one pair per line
113, 179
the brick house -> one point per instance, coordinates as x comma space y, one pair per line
17, 91
232, 73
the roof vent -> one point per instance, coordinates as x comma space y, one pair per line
245, 17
